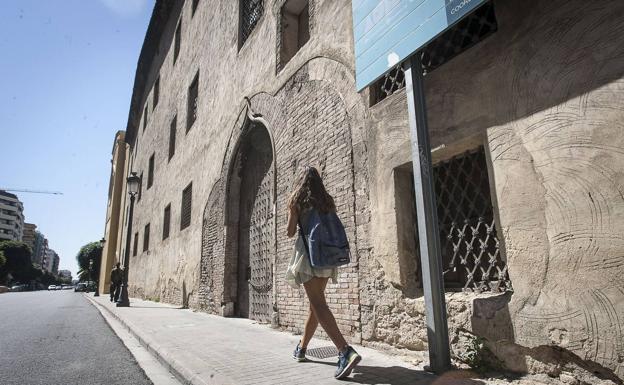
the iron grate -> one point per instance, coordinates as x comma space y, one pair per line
322, 352
469, 241
469, 31
250, 12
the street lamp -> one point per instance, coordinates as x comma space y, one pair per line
133, 187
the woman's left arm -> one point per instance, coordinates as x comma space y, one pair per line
293, 217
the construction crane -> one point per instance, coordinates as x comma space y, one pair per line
31, 191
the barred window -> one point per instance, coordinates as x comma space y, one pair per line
166, 221
156, 92
150, 171
177, 41
172, 136
145, 118
250, 11
466, 33
146, 235
136, 244
191, 104
185, 216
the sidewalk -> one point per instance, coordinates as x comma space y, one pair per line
199, 348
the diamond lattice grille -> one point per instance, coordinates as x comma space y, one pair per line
470, 245
250, 13
468, 32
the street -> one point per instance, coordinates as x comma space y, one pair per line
58, 337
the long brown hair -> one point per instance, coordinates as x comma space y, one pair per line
310, 192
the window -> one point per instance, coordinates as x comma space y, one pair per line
156, 92
136, 244
145, 118
146, 237
172, 136
150, 171
470, 246
294, 29
194, 7
140, 187
176, 42
166, 221
187, 197
191, 103
250, 11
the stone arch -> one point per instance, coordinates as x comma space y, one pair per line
249, 225
212, 251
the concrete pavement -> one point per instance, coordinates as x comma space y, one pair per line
204, 349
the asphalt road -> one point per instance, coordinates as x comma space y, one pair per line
58, 337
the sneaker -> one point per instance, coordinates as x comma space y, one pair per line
346, 362
299, 353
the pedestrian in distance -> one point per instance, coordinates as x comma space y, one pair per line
320, 248
116, 275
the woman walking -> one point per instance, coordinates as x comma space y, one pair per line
309, 195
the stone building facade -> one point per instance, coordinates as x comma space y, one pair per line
111, 252
232, 98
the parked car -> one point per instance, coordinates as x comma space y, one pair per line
4, 289
18, 288
80, 287
67, 287
52, 287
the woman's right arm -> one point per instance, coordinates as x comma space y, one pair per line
293, 217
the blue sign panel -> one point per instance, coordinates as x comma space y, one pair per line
386, 32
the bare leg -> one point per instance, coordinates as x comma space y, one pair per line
315, 289
310, 325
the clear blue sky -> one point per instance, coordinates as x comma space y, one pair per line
66, 74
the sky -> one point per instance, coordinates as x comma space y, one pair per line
66, 74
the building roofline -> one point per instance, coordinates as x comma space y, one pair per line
163, 11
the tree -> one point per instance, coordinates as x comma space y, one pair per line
2, 259
89, 252
17, 262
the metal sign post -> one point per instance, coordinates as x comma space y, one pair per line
428, 233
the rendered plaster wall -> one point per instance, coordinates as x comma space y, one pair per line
314, 91
544, 94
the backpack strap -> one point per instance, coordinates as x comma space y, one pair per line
305, 242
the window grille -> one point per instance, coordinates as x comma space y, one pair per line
469, 31
172, 136
176, 42
250, 12
469, 241
140, 187
136, 244
166, 221
191, 106
187, 197
150, 171
156, 92
146, 235
145, 118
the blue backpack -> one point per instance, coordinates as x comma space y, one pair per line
325, 239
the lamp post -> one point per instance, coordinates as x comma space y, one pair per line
133, 187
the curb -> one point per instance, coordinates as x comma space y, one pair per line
174, 366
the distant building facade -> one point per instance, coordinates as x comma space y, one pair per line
527, 156
29, 237
39, 249
11, 217
112, 251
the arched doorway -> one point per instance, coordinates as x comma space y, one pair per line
251, 225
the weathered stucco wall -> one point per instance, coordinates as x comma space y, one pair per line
544, 95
